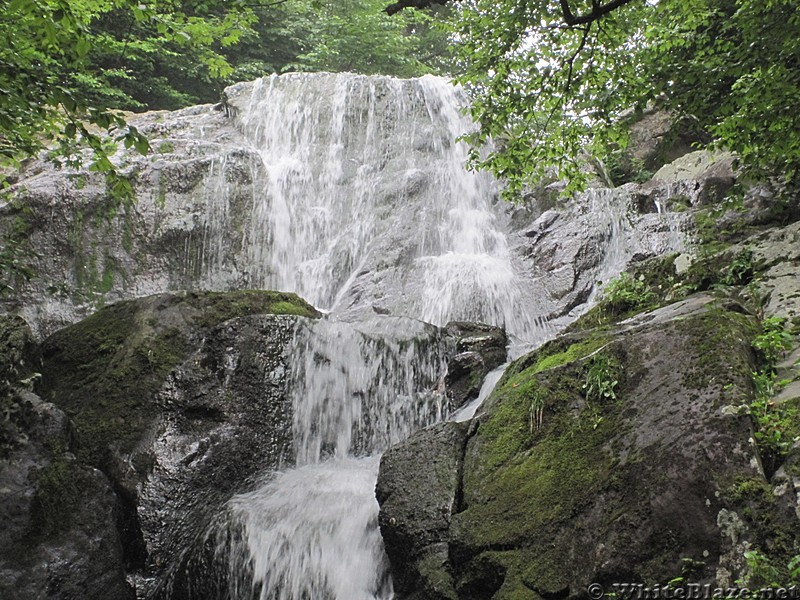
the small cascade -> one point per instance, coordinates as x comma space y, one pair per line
311, 531
359, 388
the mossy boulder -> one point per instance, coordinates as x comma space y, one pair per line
605, 456
105, 370
180, 400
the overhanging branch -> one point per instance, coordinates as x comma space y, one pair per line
401, 4
598, 10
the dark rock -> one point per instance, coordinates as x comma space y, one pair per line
415, 525
59, 538
561, 487
17, 349
179, 400
657, 138
479, 349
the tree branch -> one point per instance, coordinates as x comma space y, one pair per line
598, 10
401, 4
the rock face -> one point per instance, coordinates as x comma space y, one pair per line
613, 455
59, 538
207, 214
177, 402
479, 348
89, 251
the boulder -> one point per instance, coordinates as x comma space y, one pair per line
59, 537
478, 349
415, 527
180, 400
613, 455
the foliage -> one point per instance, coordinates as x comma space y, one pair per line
359, 36
778, 423
547, 88
170, 55
64, 67
773, 342
741, 269
762, 571
602, 378
626, 293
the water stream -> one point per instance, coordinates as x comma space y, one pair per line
368, 213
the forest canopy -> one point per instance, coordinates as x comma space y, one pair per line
68, 67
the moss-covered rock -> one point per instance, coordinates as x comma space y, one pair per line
59, 537
105, 370
607, 456
179, 399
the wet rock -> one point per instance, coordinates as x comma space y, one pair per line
179, 399
59, 538
415, 526
479, 349
85, 251
562, 487
777, 250
592, 238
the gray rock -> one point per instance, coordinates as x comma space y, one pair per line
181, 401
59, 537
479, 349
415, 527
601, 489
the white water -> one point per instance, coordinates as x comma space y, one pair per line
365, 208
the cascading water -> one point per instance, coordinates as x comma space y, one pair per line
366, 208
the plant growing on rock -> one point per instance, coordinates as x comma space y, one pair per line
601, 378
778, 423
763, 571
741, 269
773, 342
626, 293
537, 410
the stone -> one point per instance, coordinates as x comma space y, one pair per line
624, 487
59, 537
415, 526
180, 400
479, 349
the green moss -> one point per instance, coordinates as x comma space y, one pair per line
747, 490
217, 307
57, 496
102, 372
435, 577
166, 147
575, 352
714, 329
535, 476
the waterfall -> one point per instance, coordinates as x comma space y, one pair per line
366, 210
